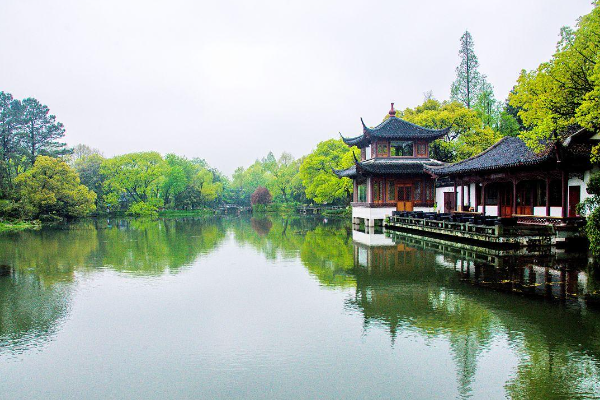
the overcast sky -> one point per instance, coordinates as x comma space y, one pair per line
230, 80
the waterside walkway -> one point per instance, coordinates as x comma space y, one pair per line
506, 232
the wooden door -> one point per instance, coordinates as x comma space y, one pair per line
449, 201
574, 196
404, 192
505, 200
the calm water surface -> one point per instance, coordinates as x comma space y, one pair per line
287, 309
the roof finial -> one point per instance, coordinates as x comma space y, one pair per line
392, 111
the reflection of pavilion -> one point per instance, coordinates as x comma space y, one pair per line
371, 236
413, 287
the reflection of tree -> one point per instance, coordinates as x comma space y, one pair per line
402, 288
152, 247
136, 246
52, 255
327, 253
262, 226
30, 311
324, 248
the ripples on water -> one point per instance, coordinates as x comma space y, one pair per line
288, 308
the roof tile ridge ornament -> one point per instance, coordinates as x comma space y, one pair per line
392, 111
354, 156
365, 129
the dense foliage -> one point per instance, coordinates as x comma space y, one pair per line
564, 92
27, 130
316, 172
468, 134
51, 189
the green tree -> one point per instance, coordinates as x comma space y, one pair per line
469, 81
285, 185
40, 131
487, 106
467, 136
88, 168
10, 120
563, 92
134, 178
52, 189
245, 181
316, 172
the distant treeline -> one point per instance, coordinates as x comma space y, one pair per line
41, 178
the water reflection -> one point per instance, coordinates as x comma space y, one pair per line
446, 293
38, 268
30, 310
404, 287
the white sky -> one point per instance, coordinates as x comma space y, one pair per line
230, 80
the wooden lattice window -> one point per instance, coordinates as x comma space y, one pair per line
382, 149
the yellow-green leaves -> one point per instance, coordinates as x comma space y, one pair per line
52, 189
564, 91
316, 173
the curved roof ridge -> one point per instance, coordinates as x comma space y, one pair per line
507, 152
483, 152
406, 122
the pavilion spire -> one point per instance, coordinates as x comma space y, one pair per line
392, 111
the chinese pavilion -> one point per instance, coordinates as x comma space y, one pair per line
392, 172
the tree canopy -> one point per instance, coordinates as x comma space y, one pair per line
469, 83
316, 172
468, 134
564, 92
52, 189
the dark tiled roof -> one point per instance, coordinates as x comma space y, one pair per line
346, 173
506, 153
393, 166
395, 128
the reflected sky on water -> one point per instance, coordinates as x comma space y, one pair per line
279, 307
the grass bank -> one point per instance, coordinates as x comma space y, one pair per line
187, 213
14, 226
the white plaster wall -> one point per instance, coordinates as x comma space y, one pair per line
489, 210
583, 194
556, 211
372, 213
466, 204
372, 239
424, 209
540, 211
439, 197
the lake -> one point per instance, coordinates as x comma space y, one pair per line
288, 308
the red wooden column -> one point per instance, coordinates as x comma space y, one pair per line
476, 198
455, 196
469, 195
483, 198
514, 202
547, 197
565, 188
462, 196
